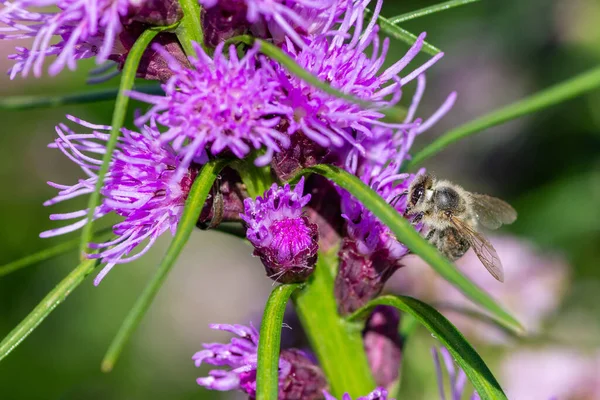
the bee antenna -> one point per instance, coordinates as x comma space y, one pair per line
397, 198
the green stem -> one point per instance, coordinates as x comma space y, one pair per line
257, 179
337, 343
556, 94
19, 103
118, 119
429, 10
269, 342
191, 212
46, 306
47, 254
190, 28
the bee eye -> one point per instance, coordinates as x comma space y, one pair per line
417, 194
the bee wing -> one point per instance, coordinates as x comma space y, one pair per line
492, 212
482, 247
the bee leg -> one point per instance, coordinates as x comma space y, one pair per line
417, 218
429, 236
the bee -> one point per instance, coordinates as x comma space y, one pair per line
452, 216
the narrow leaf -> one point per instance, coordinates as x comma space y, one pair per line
465, 355
190, 28
19, 103
47, 254
402, 34
406, 234
191, 212
395, 113
267, 371
118, 119
554, 95
429, 10
46, 306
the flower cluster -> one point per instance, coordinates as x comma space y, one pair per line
231, 101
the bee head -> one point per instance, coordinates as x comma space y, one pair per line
420, 189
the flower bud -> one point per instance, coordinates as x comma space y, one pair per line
361, 277
283, 237
383, 345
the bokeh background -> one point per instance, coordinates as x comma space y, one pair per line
547, 165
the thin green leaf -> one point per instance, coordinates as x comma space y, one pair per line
19, 103
46, 306
190, 27
392, 113
402, 34
429, 10
267, 370
191, 212
556, 94
47, 254
406, 234
337, 343
465, 355
118, 119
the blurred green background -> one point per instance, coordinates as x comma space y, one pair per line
547, 165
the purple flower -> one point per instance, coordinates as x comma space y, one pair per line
370, 253
289, 16
338, 57
299, 377
457, 376
138, 187
283, 237
222, 105
377, 394
86, 28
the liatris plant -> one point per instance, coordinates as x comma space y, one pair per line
278, 118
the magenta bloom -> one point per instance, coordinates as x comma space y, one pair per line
138, 187
377, 394
340, 59
86, 28
223, 105
283, 237
299, 377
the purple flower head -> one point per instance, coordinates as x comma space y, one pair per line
457, 376
86, 28
138, 187
377, 394
299, 377
283, 237
221, 105
370, 253
292, 17
339, 57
